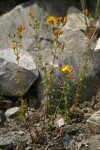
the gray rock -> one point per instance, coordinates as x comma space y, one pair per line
94, 123
69, 142
11, 112
28, 148
80, 137
8, 65
76, 17
21, 133
19, 15
97, 48
6, 141
75, 45
93, 143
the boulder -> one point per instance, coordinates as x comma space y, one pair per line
19, 15
73, 55
8, 76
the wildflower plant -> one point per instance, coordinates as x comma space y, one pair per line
16, 39
91, 19
56, 24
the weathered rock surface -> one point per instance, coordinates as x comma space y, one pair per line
11, 111
94, 122
76, 17
19, 15
8, 76
73, 55
93, 143
5, 142
97, 45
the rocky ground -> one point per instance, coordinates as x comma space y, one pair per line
82, 134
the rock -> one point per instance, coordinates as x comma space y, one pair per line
11, 112
75, 46
80, 137
8, 65
5, 104
93, 143
6, 141
76, 17
28, 148
19, 15
21, 132
97, 48
97, 106
69, 142
94, 123
98, 96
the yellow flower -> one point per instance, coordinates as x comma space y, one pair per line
55, 32
85, 12
51, 20
65, 20
20, 35
68, 76
66, 68
60, 32
62, 46
20, 28
32, 14
14, 46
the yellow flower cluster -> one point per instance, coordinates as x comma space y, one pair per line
57, 32
86, 12
51, 20
20, 29
66, 68
67, 71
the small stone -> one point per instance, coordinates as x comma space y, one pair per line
69, 141
79, 146
11, 112
28, 148
80, 137
5, 141
21, 132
